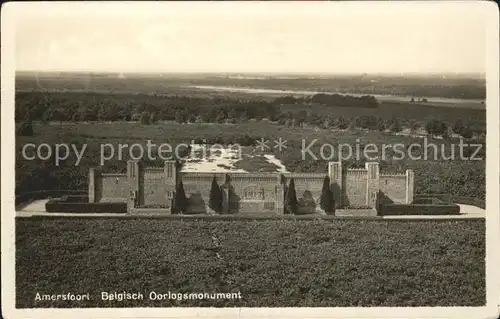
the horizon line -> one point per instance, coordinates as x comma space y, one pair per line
481, 74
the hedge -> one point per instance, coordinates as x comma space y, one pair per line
58, 205
419, 209
447, 198
26, 197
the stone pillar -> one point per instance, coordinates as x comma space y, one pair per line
410, 177
336, 184
133, 177
92, 185
372, 183
171, 173
280, 195
171, 179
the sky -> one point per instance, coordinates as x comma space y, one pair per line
317, 37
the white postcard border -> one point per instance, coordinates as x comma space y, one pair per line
8, 64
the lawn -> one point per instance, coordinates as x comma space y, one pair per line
337, 263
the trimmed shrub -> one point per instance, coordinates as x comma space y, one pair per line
215, 201
180, 200
291, 203
326, 202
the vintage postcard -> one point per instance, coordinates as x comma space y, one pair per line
250, 159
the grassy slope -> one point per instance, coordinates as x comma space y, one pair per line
272, 263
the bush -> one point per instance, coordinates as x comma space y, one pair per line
245, 140
436, 127
367, 122
458, 127
215, 201
180, 199
342, 123
145, 118
413, 126
26, 129
395, 126
136, 117
291, 203
466, 132
326, 201
381, 125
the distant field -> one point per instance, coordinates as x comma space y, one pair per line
405, 111
337, 263
418, 86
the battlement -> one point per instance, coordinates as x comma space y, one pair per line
113, 174
393, 175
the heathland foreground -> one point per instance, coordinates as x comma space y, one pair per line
271, 263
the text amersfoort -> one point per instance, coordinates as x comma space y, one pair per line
121, 296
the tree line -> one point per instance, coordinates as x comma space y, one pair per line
78, 107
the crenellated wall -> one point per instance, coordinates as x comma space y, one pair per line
154, 187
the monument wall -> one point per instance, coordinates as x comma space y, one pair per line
107, 187
253, 192
308, 187
197, 188
154, 187
393, 187
355, 188
154, 191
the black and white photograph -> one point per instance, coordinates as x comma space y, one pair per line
250, 159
